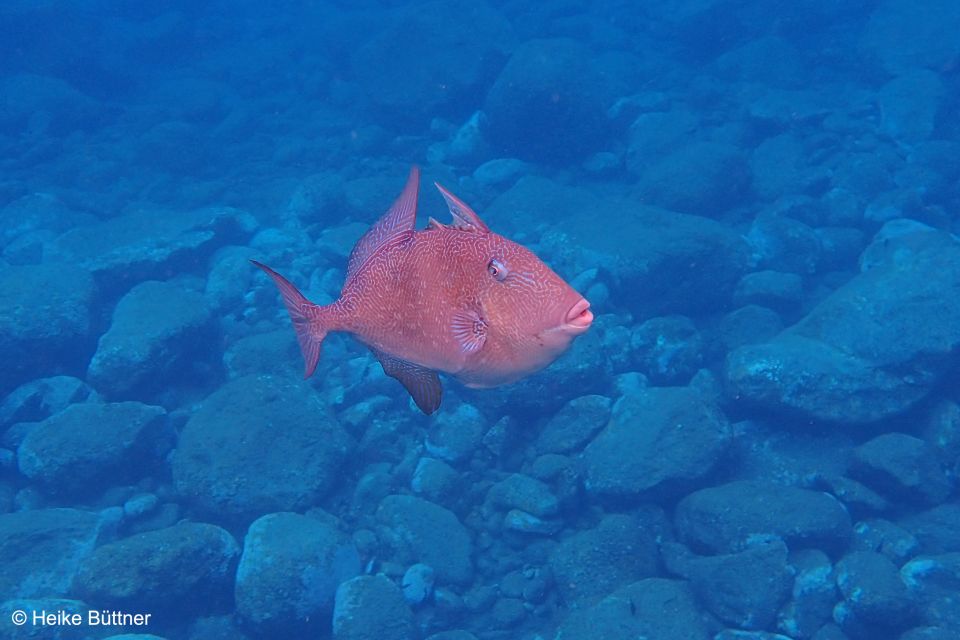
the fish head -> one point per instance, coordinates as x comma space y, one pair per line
531, 312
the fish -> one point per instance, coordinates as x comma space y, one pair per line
454, 299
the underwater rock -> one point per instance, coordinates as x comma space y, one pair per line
149, 245
885, 537
701, 178
850, 361
655, 609
903, 468
726, 518
681, 434
88, 447
257, 445
668, 350
500, 172
507, 613
188, 567
37, 213
745, 589
813, 596
937, 529
930, 633
39, 399
273, 352
549, 103
933, 582
435, 480
909, 104
159, 331
874, 595
453, 635
289, 573
618, 551
47, 333
665, 262
781, 166
738, 634
400, 71
780, 243
371, 608
748, 325
901, 39
417, 583
574, 425
518, 491
523, 522
655, 134
42, 550
229, 278
455, 436
772, 289
420, 531
64, 108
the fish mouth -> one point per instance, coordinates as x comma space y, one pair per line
579, 317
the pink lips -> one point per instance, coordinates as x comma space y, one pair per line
579, 317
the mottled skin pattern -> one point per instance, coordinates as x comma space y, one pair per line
455, 298
404, 298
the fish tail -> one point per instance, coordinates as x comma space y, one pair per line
309, 320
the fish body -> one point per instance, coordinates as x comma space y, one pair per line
451, 298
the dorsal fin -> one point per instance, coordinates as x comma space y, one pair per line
402, 216
464, 217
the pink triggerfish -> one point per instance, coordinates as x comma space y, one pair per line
452, 298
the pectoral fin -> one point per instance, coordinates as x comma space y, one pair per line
470, 330
423, 384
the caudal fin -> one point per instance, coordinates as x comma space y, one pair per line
308, 319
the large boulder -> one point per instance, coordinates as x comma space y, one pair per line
619, 550
875, 597
41, 398
574, 425
289, 573
400, 71
654, 609
727, 518
873, 348
549, 103
44, 322
372, 608
420, 531
41, 551
933, 583
186, 567
899, 38
128, 249
159, 330
657, 440
91, 446
257, 445
703, 178
902, 467
744, 589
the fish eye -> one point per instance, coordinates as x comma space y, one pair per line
497, 269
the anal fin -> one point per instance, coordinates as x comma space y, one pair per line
423, 384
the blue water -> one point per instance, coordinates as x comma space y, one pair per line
758, 435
